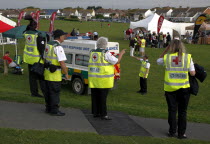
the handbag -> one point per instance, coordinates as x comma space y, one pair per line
38, 68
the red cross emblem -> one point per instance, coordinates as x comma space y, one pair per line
176, 60
95, 57
29, 39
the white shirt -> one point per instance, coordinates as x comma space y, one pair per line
160, 61
110, 58
95, 33
147, 64
58, 50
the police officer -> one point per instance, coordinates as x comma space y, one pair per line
101, 76
55, 58
35, 42
177, 65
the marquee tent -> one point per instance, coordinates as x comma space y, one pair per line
150, 24
6, 24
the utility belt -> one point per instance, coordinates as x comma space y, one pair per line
51, 67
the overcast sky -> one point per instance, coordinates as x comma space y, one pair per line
115, 4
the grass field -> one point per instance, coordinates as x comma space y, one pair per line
124, 98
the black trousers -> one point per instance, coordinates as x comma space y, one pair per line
52, 96
98, 98
33, 82
177, 100
143, 84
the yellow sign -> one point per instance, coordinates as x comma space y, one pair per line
200, 20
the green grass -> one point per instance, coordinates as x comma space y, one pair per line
124, 98
15, 136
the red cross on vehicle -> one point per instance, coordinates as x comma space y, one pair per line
176, 60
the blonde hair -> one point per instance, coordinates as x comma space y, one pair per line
177, 46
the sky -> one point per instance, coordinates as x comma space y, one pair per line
114, 4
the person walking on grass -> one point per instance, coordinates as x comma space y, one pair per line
177, 64
143, 74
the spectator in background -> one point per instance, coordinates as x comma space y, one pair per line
132, 45
73, 32
10, 62
168, 39
95, 35
160, 40
77, 32
142, 46
154, 40
127, 34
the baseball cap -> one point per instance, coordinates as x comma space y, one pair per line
58, 33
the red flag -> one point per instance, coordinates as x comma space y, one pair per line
160, 22
33, 14
37, 19
20, 17
52, 22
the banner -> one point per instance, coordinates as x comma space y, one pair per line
52, 22
20, 17
160, 22
198, 23
37, 19
33, 15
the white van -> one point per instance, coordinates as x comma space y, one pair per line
77, 53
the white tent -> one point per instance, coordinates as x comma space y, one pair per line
150, 24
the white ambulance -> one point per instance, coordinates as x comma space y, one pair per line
77, 53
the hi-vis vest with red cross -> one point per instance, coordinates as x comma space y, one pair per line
31, 53
51, 57
176, 72
100, 72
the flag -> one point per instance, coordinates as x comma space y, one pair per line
20, 17
33, 14
52, 22
37, 19
160, 22
198, 23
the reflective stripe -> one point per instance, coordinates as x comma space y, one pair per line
176, 69
51, 57
101, 76
143, 72
100, 64
31, 54
56, 69
31, 44
176, 84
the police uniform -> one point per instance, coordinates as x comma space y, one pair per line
143, 76
54, 53
176, 88
100, 79
34, 47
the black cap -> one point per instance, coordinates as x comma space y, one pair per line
58, 33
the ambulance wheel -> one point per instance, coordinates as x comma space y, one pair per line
78, 86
